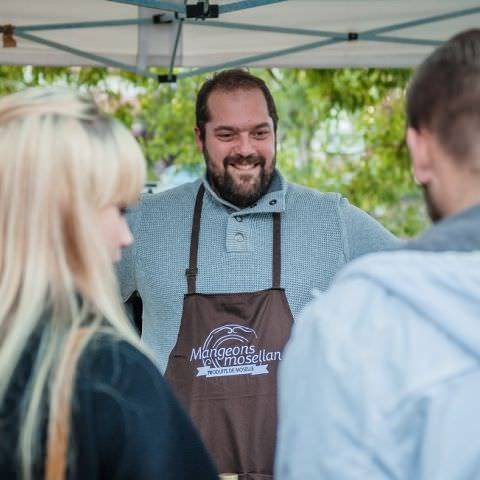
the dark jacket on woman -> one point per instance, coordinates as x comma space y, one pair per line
126, 424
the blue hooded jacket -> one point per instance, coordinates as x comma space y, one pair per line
381, 378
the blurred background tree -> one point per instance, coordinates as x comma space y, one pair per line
340, 130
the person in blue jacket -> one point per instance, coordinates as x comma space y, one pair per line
381, 378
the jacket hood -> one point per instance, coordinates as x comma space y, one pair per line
443, 288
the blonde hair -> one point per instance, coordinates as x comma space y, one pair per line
61, 161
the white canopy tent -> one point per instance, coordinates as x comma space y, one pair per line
136, 34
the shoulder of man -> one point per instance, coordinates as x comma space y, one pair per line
384, 311
360, 232
183, 195
160, 208
333, 201
313, 203
391, 290
313, 195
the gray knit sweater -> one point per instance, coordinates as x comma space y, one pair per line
320, 233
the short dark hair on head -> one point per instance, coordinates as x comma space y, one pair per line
444, 96
229, 80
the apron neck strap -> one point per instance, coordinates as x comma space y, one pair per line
192, 269
276, 255
192, 266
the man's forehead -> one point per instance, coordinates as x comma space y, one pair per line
239, 104
219, 94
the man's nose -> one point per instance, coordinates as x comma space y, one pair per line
245, 145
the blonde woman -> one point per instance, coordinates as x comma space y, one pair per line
79, 398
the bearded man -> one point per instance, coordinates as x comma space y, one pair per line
224, 264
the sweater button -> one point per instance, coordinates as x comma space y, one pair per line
239, 219
272, 202
239, 237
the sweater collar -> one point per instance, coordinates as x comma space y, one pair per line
272, 201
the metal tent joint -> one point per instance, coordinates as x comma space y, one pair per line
166, 78
202, 10
160, 18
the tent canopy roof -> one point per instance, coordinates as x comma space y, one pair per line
263, 33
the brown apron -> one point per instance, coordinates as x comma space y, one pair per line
223, 367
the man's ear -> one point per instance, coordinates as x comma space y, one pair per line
198, 139
418, 142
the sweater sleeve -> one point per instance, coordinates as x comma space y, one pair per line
129, 425
362, 233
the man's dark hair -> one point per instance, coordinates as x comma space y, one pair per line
444, 96
230, 80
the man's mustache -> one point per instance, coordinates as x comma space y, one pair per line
244, 160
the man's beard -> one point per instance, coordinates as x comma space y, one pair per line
432, 208
240, 191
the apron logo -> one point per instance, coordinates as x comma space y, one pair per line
228, 350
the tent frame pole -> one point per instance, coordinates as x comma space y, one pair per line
79, 25
81, 53
330, 38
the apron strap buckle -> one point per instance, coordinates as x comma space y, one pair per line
191, 274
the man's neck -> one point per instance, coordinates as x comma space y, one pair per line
463, 198
457, 188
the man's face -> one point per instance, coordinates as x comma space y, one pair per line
239, 145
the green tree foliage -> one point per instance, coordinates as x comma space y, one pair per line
169, 114
343, 130
340, 130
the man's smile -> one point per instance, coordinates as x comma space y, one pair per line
244, 167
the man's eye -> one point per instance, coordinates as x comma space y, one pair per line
225, 136
261, 133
